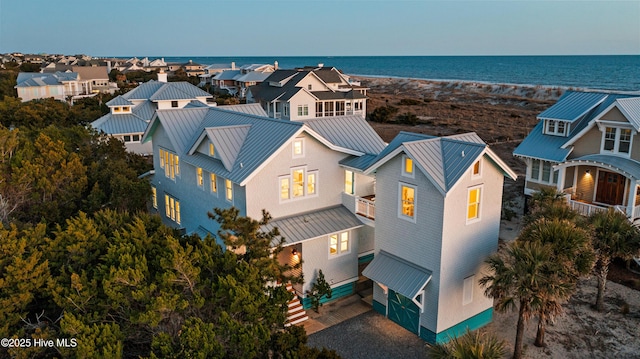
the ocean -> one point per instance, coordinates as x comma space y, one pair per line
609, 72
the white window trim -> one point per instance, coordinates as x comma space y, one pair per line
404, 169
339, 253
211, 188
226, 190
353, 183
154, 197
200, 178
556, 125
479, 175
540, 164
467, 289
415, 201
173, 214
305, 189
478, 218
293, 147
616, 141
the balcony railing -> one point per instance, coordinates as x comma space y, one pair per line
366, 207
586, 209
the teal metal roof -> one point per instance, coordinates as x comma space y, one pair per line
398, 274
358, 162
572, 105
544, 147
314, 224
120, 124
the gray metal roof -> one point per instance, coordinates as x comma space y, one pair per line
265, 136
442, 159
398, 274
625, 166
228, 141
250, 109
314, 224
399, 140
572, 105
119, 101
195, 103
36, 79
144, 91
358, 162
338, 95
253, 76
120, 124
631, 108
540, 146
352, 132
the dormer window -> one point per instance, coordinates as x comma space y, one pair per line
617, 140
117, 109
556, 128
126, 109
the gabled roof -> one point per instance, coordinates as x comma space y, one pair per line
352, 132
119, 124
588, 107
253, 76
227, 141
226, 75
119, 101
305, 226
36, 79
249, 108
630, 107
163, 91
572, 105
265, 137
443, 160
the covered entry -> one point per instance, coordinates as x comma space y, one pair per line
610, 188
404, 311
403, 282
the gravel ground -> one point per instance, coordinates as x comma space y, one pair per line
370, 335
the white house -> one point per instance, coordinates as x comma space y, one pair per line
130, 113
307, 93
341, 197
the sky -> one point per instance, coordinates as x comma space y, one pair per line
123, 28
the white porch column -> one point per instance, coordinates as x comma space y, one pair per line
561, 174
631, 201
575, 180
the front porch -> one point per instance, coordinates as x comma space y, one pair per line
598, 182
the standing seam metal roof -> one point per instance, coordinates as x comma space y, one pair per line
398, 274
352, 132
572, 105
314, 224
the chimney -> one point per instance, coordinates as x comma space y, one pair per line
321, 65
275, 65
162, 76
233, 65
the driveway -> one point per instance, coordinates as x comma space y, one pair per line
370, 335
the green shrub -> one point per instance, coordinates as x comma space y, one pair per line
471, 345
383, 114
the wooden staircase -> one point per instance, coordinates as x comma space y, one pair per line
296, 313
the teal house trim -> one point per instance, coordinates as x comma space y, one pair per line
365, 259
477, 321
380, 308
336, 293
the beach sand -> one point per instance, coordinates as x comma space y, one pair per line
503, 115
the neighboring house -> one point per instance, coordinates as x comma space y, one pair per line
318, 178
237, 82
60, 85
587, 146
307, 93
438, 206
130, 113
91, 79
212, 70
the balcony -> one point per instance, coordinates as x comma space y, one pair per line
366, 206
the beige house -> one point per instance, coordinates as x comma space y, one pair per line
587, 146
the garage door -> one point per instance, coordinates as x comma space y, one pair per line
404, 311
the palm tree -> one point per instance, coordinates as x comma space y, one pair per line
614, 236
549, 203
471, 345
517, 279
573, 257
